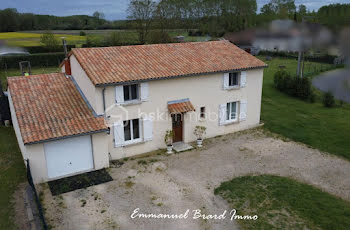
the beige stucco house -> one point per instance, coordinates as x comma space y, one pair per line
116, 102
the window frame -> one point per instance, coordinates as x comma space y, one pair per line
237, 74
132, 140
229, 112
130, 93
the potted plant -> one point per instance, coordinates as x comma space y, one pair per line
199, 132
168, 139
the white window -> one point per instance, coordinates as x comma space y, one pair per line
231, 111
132, 130
233, 80
125, 94
131, 92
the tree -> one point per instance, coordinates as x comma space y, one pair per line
49, 40
281, 9
9, 20
98, 15
141, 12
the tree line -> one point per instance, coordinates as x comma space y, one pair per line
216, 17
11, 20
213, 17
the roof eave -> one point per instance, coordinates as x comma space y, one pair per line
66, 137
176, 76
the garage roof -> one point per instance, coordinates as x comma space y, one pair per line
49, 106
113, 65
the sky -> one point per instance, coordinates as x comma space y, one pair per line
113, 9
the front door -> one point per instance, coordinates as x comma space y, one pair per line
177, 127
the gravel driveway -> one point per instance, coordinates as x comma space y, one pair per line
173, 184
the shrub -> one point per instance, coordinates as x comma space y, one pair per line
114, 39
158, 37
82, 33
328, 100
293, 86
49, 40
199, 132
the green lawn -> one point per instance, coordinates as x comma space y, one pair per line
12, 172
33, 39
17, 72
283, 203
327, 129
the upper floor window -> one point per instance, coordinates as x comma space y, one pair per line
233, 79
131, 92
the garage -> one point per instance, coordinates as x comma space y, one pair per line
68, 156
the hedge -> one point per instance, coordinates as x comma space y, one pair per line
36, 60
43, 49
317, 58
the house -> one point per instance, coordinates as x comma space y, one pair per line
116, 102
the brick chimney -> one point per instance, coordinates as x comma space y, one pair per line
67, 66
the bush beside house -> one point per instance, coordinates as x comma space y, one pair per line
293, 86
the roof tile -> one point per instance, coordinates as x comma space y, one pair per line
118, 64
48, 106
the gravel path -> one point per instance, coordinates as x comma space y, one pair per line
337, 82
184, 181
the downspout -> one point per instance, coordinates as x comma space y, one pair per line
104, 100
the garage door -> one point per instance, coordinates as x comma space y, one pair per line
68, 156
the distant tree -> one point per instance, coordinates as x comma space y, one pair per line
281, 9
9, 20
98, 15
49, 40
302, 10
141, 12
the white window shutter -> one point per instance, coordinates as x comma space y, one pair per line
222, 114
243, 110
118, 134
144, 91
226, 80
119, 94
243, 79
147, 129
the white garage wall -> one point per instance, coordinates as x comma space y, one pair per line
36, 155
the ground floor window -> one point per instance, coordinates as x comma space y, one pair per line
231, 111
131, 129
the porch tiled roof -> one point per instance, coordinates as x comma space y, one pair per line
180, 107
49, 106
111, 65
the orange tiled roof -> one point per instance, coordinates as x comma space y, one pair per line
110, 65
180, 107
49, 106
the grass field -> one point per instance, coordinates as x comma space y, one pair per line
33, 39
327, 129
283, 203
12, 172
